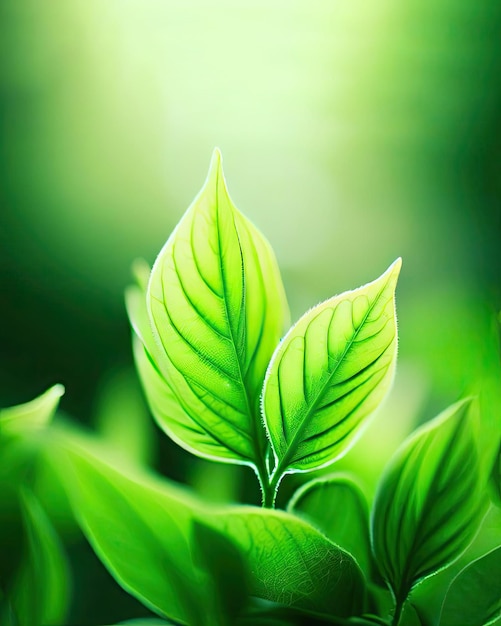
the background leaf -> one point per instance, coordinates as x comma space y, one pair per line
227, 573
496, 478
329, 373
40, 596
31, 415
430, 500
146, 543
474, 596
337, 507
217, 307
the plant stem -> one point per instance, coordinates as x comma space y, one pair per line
399, 605
269, 488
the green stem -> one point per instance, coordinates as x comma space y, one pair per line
399, 605
269, 488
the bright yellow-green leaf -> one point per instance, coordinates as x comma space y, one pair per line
162, 400
217, 309
430, 500
32, 415
329, 373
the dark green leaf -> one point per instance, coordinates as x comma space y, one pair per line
146, 544
228, 577
32, 415
430, 500
217, 308
41, 593
337, 507
496, 478
145, 622
474, 596
329, 373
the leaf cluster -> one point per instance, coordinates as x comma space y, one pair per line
227, 380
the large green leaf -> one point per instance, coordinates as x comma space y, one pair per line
32, 415
329, 373
226, 569
217, 309
40, 596
474, 596
430, 500
142, 531
337, 507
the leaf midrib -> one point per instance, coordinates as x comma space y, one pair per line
257, 436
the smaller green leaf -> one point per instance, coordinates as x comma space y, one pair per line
41, 592
474, 596
337, 507
430, 500
31, 416
329, 373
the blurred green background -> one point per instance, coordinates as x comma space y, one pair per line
352, 133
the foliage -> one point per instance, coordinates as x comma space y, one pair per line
226, 380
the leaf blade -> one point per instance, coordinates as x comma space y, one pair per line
41, 592
430, 500
32, 415
474, 596
319, 574
217, 309
336, 506
321, 383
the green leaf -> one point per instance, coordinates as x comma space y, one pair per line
217, 308
337, 507
144, 622
147, 545
474, 596
292, 563
32, 415
41, 593
149, 359
223, 562
329, 373
430, 500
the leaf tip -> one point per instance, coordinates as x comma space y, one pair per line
57, 390
391, 275
395, 267
216, 163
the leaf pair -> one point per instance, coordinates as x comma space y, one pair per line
209, 320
